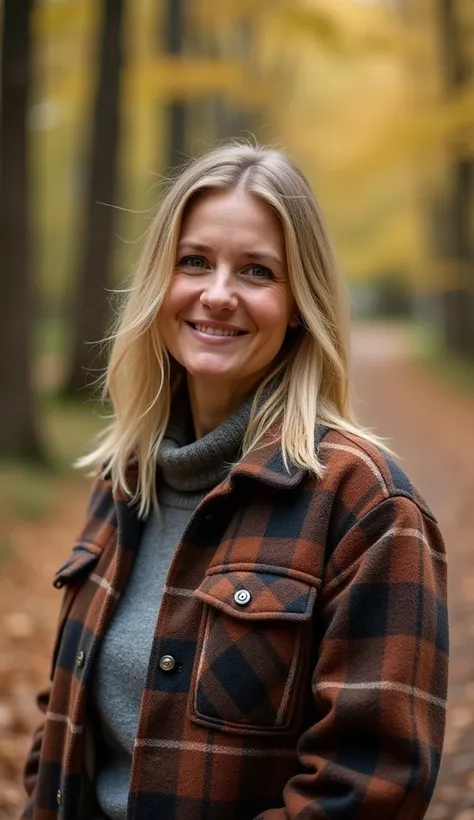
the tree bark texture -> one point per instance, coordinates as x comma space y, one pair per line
453, 231
18, 433
91, 309
176, 109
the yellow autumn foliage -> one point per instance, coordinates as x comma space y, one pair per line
352, 89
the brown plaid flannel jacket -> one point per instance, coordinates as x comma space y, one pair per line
299, 662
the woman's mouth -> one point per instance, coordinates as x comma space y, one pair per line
211, 330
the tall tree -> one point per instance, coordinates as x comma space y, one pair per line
453, 235
176, 109
91, 307
233, 120
18, 432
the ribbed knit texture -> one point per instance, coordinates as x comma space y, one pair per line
188, 470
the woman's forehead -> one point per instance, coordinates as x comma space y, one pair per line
237, 212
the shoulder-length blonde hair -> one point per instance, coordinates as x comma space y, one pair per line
312, 383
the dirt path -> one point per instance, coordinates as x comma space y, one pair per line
431, 428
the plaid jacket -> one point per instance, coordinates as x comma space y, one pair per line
299, 662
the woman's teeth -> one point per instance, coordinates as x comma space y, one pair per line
216, 331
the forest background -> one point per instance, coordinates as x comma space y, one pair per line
101, 101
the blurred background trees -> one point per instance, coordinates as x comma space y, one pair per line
90, 313
101, 99
18, 429
453, 218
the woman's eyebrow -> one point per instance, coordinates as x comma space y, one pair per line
262, 255
195, 246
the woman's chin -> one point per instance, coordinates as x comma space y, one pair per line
215, 370
211, 374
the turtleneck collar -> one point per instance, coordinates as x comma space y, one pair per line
190, 468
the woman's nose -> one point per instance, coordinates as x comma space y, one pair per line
219, 292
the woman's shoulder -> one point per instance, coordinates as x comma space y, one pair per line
364, 473
100, 516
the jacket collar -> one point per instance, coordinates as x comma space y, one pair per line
265, 464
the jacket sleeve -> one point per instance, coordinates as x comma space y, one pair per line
30, 772
380, 680
100, 510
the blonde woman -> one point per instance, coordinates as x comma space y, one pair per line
254, 616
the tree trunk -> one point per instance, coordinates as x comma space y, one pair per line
91, 310
454, 237
231, 120
18, 434
175, 110
454, 244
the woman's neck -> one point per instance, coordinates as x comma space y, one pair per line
212, 402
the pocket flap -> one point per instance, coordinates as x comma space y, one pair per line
83, 557
258, 594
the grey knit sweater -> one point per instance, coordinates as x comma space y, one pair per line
188, 470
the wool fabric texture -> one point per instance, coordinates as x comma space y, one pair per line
309, 619
188, 469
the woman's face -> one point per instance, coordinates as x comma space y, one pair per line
229, 304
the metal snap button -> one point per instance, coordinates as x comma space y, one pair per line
59, 797
167, 663
242, 597
80, 659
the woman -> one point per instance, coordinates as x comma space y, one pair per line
254, 620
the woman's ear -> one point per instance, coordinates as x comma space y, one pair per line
295, 319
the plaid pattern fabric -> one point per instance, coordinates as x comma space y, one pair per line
267, 656
306, 632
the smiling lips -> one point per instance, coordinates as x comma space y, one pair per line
216, 330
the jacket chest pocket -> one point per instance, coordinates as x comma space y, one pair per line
252, 651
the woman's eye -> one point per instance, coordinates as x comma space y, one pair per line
192, 262
259, 272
